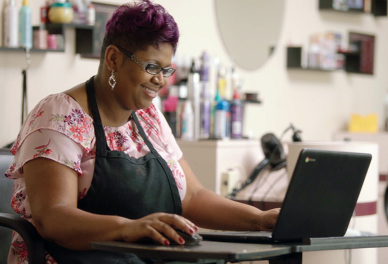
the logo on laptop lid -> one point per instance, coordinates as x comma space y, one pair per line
308, 159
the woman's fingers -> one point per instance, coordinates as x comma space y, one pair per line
181, 223
159, 227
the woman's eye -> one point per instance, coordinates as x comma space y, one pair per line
153, 67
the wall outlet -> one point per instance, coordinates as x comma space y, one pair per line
230, 181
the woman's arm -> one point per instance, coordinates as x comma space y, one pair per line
210, 210
52, 191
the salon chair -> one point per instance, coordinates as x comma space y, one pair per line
386, 202
9, 220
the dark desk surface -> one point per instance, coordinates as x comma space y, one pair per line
332, 243
205, 250
230, 252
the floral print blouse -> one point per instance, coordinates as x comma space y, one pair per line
60, 130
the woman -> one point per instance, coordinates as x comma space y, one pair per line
88, 167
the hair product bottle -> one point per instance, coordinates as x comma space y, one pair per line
205, 102
221, 122
194, 93
10, 29
25, 25
236, 116
217, 99
187, 121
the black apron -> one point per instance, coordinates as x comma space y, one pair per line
123, 186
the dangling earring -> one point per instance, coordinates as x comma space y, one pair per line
112, 80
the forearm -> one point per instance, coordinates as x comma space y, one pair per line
209, 210
75, 229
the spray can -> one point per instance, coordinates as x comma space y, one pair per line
236, 116
221, 122
10, 35
187, 121
217, 99
205, 106
194, 93
205, 99
25, 25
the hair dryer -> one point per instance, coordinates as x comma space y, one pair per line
274, 158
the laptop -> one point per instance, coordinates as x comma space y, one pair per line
319, 202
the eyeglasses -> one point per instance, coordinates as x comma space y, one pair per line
151, 68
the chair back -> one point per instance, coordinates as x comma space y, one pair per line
6, 188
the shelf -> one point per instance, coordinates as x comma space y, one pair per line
377, 8
294, 61
251, 102
360, 61
31, 50
83, 37
313, 69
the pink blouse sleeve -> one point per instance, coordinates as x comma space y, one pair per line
48, 144
57, 129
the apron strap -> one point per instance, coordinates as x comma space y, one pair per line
143, 135
174, 191
101, 145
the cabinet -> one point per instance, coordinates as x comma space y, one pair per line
209, 159
83, 38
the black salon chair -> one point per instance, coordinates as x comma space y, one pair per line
9, 220
386, 202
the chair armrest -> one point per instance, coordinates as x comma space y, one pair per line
34, 242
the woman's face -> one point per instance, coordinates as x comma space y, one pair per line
135, 88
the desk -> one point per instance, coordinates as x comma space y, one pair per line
222, 252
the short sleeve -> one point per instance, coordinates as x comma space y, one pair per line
57, 129
48, 144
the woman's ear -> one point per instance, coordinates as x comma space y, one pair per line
111, 57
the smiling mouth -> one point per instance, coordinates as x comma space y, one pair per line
149, 91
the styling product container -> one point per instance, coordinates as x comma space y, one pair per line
222, 120
10, 29
236, 116
61, 12
25, 25
187, 121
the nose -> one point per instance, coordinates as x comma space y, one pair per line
159, 79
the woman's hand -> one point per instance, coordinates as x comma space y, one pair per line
159, 227
268, 219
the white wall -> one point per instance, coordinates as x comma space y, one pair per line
319, 103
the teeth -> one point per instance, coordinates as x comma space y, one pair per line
148, 90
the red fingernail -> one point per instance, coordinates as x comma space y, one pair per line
196, 228
191, 231
166, 242
181, 240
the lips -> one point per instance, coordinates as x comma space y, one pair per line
151, 92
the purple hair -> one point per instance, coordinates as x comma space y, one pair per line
135, 26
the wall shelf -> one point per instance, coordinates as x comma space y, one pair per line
31, 50
294, 61
83, 37
360, 61
376, 7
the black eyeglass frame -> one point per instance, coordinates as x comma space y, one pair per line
167, 72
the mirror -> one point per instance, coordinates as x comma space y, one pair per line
249, 29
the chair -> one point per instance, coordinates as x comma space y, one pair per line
9, 220
386, 202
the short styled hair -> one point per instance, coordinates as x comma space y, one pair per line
135, 26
